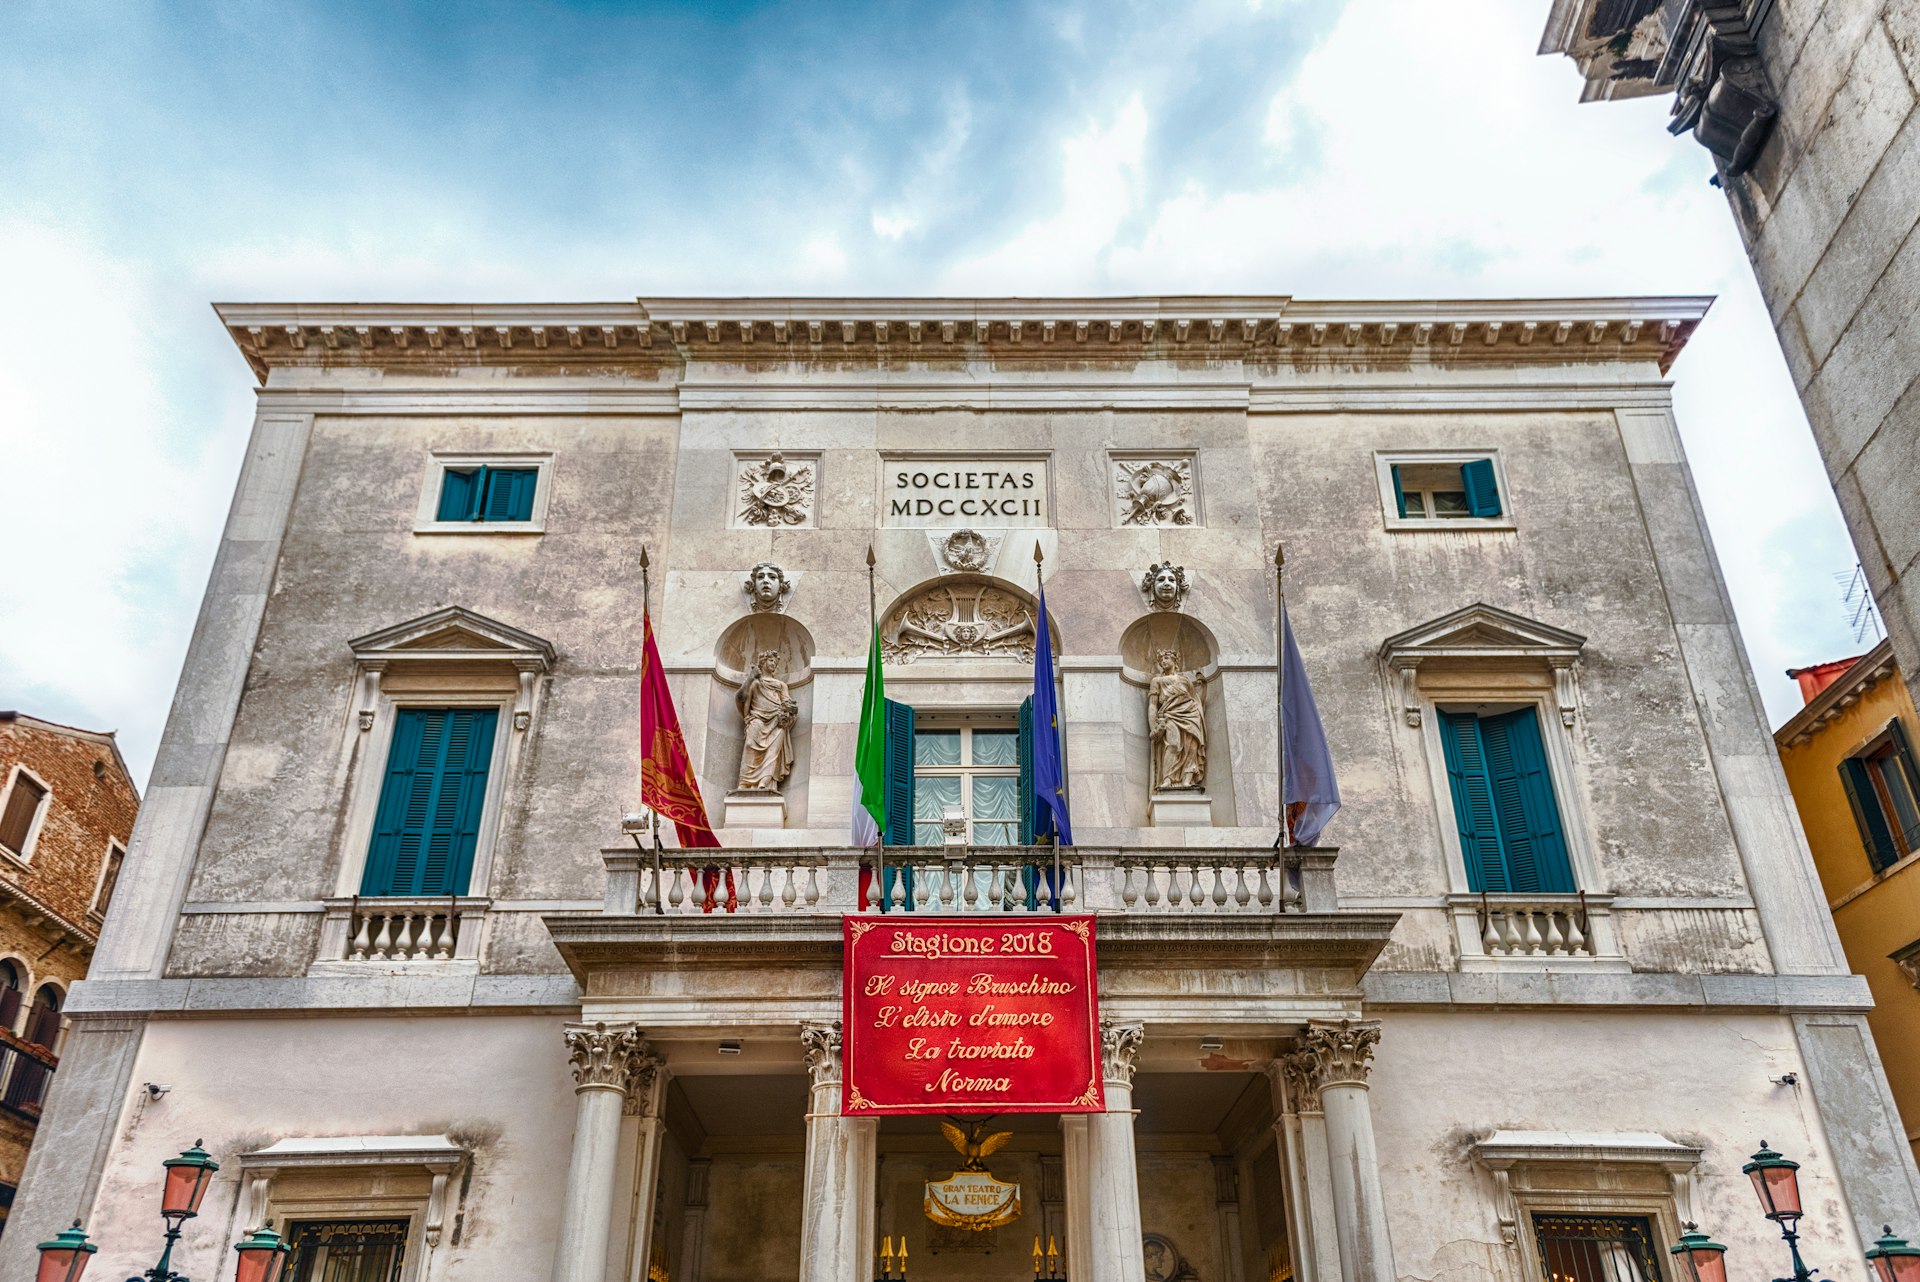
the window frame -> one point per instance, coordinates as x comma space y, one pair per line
284, 1205
1384, 461
440, 462
1885, 744
983, 719
96, 907
1659, 1240
1488, 694
369, 779
24, 855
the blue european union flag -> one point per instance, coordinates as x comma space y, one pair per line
1049, 771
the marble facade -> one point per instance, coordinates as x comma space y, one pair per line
1339, 1063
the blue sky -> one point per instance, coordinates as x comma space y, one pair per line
157, 157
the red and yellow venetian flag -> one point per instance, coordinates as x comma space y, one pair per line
667, 783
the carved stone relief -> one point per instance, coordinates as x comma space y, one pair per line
775, 493
767, 587
965, 551
951, 620
1165, 586
1154, 492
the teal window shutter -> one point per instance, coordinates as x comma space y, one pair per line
1483, 494
457, 495
1399, 495
427, 823
1867, 814
899, 759
1509, 822
510, 493
1524, 805
1473, 802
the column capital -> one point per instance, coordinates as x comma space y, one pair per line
1119, 1048
646, 1084
822, 1043
602, 1056
1337, 1053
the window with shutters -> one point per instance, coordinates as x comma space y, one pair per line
428, 820
109, 878
21, 811
1882, 784
484, 494
1424, 491
1511, 836
981, 765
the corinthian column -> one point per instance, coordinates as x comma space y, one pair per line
644, 1127
603, 1060
836, 1226
1336, 1058
1114, 1198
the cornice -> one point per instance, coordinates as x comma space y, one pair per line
1873, 667
872, 330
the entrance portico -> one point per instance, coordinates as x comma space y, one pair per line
1236, 1139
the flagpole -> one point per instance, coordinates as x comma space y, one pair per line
879, 855
1284, 841
1039, 591
653, 814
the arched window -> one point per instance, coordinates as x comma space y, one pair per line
11, 982
43, 1021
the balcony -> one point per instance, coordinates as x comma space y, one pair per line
26, 1073
762, 931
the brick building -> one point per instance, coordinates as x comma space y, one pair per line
66, 812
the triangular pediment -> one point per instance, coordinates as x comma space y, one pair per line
455, 633
1482, 631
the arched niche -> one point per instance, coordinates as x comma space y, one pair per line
962, 618
733, 658
1199, 652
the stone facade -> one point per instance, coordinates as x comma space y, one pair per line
67, 809
1827, 199
1345, 1063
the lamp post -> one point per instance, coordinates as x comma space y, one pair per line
65, 1258
187, 1178
1893, 1260
1778, 1186
1698, 1259
262, 1256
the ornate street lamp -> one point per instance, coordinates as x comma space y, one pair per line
1778, 1186
1893, 1260
1699, 1260
187, 1178
65, 1258
262, 1256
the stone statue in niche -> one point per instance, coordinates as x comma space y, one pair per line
769, 711
1177, 723
776, 493
767, 587
1165, 586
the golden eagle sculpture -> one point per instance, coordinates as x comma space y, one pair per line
973, 1143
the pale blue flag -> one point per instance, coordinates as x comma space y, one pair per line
1312, 793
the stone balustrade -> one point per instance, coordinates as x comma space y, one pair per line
441, 928
829, 881
1534, 928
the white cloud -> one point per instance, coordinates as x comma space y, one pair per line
893, 226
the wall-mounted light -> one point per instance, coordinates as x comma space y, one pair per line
730, 1047
1212, 1045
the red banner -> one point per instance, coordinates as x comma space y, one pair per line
971, 1015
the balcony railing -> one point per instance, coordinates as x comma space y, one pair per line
1534, 928
443, 928
26, 1071
815, 881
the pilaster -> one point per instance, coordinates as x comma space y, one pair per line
1336, 1058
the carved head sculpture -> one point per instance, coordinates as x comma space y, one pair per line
768, 661
767, 587
1168, 661
1164, 585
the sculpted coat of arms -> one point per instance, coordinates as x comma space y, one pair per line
774, 492
959, 619
1155, 491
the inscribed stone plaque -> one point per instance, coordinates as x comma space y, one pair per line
950, 491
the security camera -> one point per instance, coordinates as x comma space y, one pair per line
156, 1089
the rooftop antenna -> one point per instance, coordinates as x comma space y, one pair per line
1863, 616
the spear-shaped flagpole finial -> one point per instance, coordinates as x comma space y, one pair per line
1279, 556
873, 609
